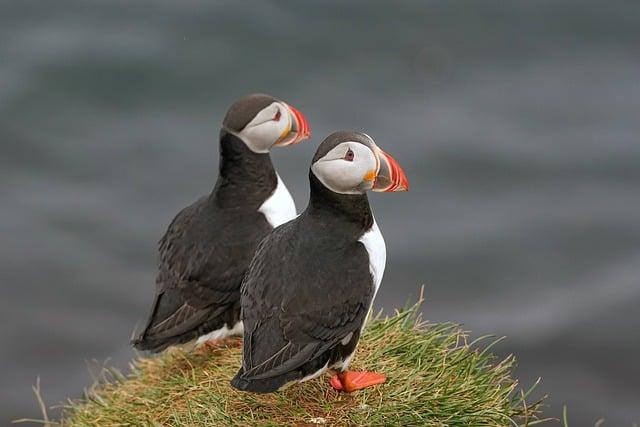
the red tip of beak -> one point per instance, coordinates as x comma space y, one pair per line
303, 129
398, 177
390, 177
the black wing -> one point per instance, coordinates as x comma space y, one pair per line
301, 296
203, 257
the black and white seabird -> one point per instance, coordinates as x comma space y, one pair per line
312, 281
207, 248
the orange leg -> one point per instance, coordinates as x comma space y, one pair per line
350, 381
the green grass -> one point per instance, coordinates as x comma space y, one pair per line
435, 378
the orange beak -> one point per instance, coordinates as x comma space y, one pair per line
300, 129
390, 176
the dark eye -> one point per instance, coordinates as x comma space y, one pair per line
349, 156
277, 116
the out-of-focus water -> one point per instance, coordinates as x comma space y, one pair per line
518, 124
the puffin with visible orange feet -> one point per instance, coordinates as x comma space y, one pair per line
312, 281
206, 250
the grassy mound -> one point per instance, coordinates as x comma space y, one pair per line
435, 378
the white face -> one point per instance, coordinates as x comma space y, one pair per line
349, 168
268, 127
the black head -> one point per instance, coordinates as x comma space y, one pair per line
262, 121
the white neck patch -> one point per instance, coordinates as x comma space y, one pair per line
279, 207
377, 250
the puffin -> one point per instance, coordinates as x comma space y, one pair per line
208, 246
312, 281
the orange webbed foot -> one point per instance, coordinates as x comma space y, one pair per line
350, 381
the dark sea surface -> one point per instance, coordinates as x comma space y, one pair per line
518, 124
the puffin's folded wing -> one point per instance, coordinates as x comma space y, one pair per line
310, 334
304, 307
219, 291
328, 323
182, 320
288, 358
200, 260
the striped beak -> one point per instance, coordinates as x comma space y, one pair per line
390, 176
300, 129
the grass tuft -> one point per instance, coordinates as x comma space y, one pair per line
435, 378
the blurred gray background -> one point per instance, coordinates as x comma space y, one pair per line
518, 124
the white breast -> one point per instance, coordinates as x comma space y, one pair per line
279, 207
377, 250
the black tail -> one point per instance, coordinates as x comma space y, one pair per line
188, 323
266, 385
141, 343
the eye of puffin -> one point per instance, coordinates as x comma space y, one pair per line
276, 118
349, 155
